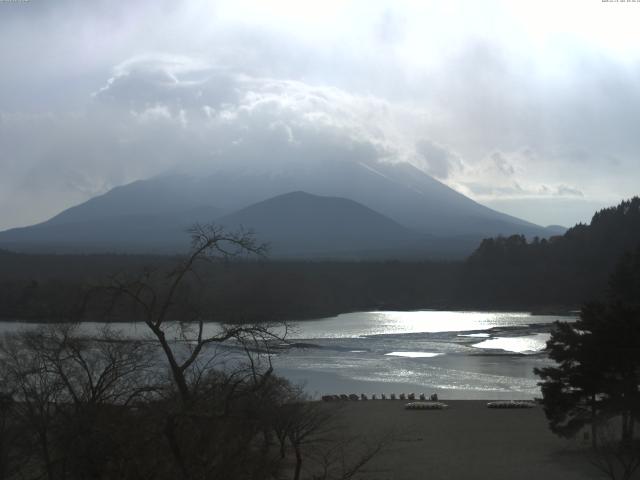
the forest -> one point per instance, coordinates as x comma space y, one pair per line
554, 274
562, 271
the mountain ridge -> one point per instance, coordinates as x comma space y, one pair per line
400, 192
299, 223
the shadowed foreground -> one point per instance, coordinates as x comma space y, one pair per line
465, 441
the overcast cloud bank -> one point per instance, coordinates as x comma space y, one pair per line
536, 118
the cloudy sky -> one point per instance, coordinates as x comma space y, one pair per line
530, 107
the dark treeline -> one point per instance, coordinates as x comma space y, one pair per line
53, 287
562, 271
503, 273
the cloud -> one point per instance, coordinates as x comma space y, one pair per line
502, 164
94, 94
221, 115
507, 175
160, 112
437, 160
567, 191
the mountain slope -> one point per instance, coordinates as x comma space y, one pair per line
399, 191
301, 224
129, 232
296, 224
151, 215
159, 196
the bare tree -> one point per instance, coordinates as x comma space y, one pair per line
104, 369
170, 305
6, 429
617, 459
321, 446
346, 456
36, 393
160, 298
98, 408
64, 385
302, 422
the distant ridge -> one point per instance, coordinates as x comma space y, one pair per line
150, 216
295, 224
300, 224
128, 233
555, 230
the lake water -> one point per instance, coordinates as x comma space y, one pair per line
458, 355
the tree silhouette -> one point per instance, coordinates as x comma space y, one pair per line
562, 271
167, 309
598, 357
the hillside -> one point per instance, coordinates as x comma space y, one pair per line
159, 233
148, 216
299, 224
296, 224
563, 270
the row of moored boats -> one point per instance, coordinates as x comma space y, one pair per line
383, 396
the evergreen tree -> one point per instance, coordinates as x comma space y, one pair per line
598, 360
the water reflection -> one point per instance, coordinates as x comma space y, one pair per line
413, 354
529, 344
358, 324
456, 354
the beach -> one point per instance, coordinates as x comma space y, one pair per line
467, 440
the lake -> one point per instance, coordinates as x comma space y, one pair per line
458, 355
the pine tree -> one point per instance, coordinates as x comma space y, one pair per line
598, 361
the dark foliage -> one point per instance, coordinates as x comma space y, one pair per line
597, 376
53, 287
558, 272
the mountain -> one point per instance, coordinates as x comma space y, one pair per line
300, 224
553, 230
148, 213
156, 197
129, 232
399, 191
294, 225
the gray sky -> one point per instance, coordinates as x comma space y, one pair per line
530, 107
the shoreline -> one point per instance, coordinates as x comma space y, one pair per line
311, 317
316, 384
